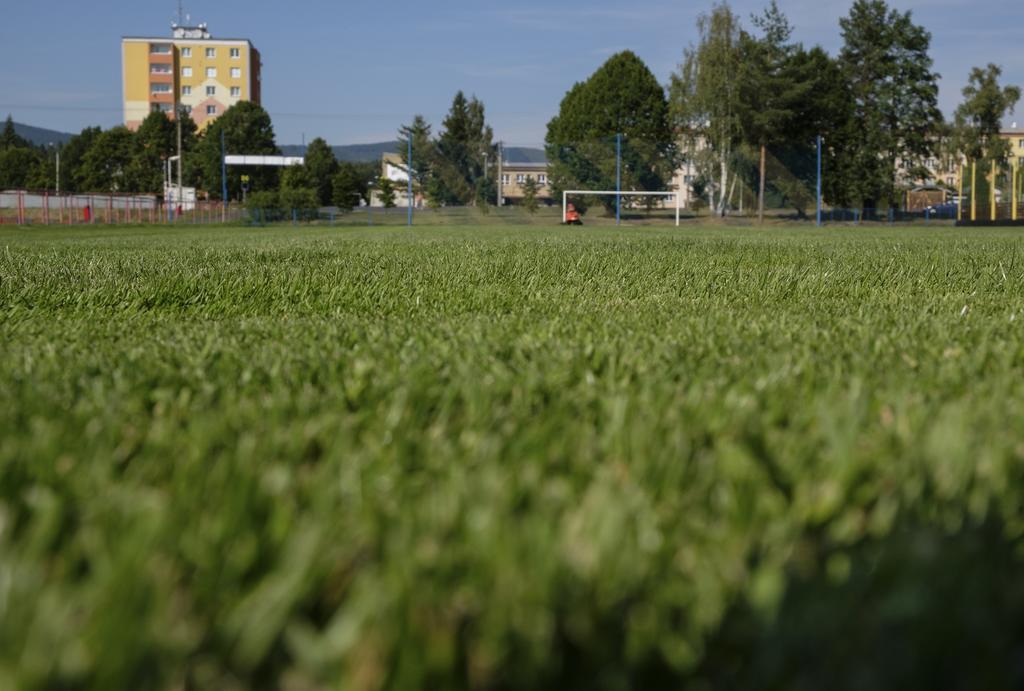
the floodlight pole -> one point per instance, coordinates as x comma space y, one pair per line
618, 178
819, 182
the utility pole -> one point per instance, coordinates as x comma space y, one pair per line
618, 178
58, 172
177, 117
501, 155
408, 175
818, 213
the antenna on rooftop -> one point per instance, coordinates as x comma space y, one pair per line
181, 13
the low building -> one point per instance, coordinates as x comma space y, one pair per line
515, 175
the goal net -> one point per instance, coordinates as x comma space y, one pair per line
622, 201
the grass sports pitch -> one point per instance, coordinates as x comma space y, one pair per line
502, 458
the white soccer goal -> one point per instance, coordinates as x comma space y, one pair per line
613, 193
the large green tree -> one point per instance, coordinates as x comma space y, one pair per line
978, 120
109, 164
772, 88
623, 98
321, 166
155, 141
894, 92
18, 166
247, 130
462, 147
706, 100
424, 151
350, 185
71, 156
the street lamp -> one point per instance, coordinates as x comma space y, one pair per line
369, 201
56, 148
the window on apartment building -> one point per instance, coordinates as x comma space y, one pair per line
186, 52
236, 91
542, 179
236, 52
186, 91
160, 69
186, 71
160, 48
161, 88
211, 71
211, 52
504, 179
520, 178
211, 91
236, 72
211, 110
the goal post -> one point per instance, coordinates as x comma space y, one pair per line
613, 193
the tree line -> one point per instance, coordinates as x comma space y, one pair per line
746, 94
741, 96
451, 168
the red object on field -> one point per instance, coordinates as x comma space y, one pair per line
572, 216
87, 213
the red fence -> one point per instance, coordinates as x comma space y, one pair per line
24, 207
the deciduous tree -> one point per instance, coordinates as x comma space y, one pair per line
706, 99
623, 98
321, 167
247, 130
894, 92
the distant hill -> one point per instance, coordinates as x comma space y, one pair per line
356, 153
361, 153
40, 136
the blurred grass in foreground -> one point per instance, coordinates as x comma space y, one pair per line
536, 458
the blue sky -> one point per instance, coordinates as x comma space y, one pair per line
353, 72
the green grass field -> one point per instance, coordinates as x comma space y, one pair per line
511, 458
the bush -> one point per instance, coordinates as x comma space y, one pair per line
300, 202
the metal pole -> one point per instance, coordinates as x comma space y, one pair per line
960, 194
564, 200
974, 197
819, 182
678, 194
1013, 194
177, 117
58, 172
408, 174
992, 192
501, 155
223, 176
618, 178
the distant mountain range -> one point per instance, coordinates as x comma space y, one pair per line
354, 153
41, 136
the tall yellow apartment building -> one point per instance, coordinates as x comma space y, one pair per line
204, 75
